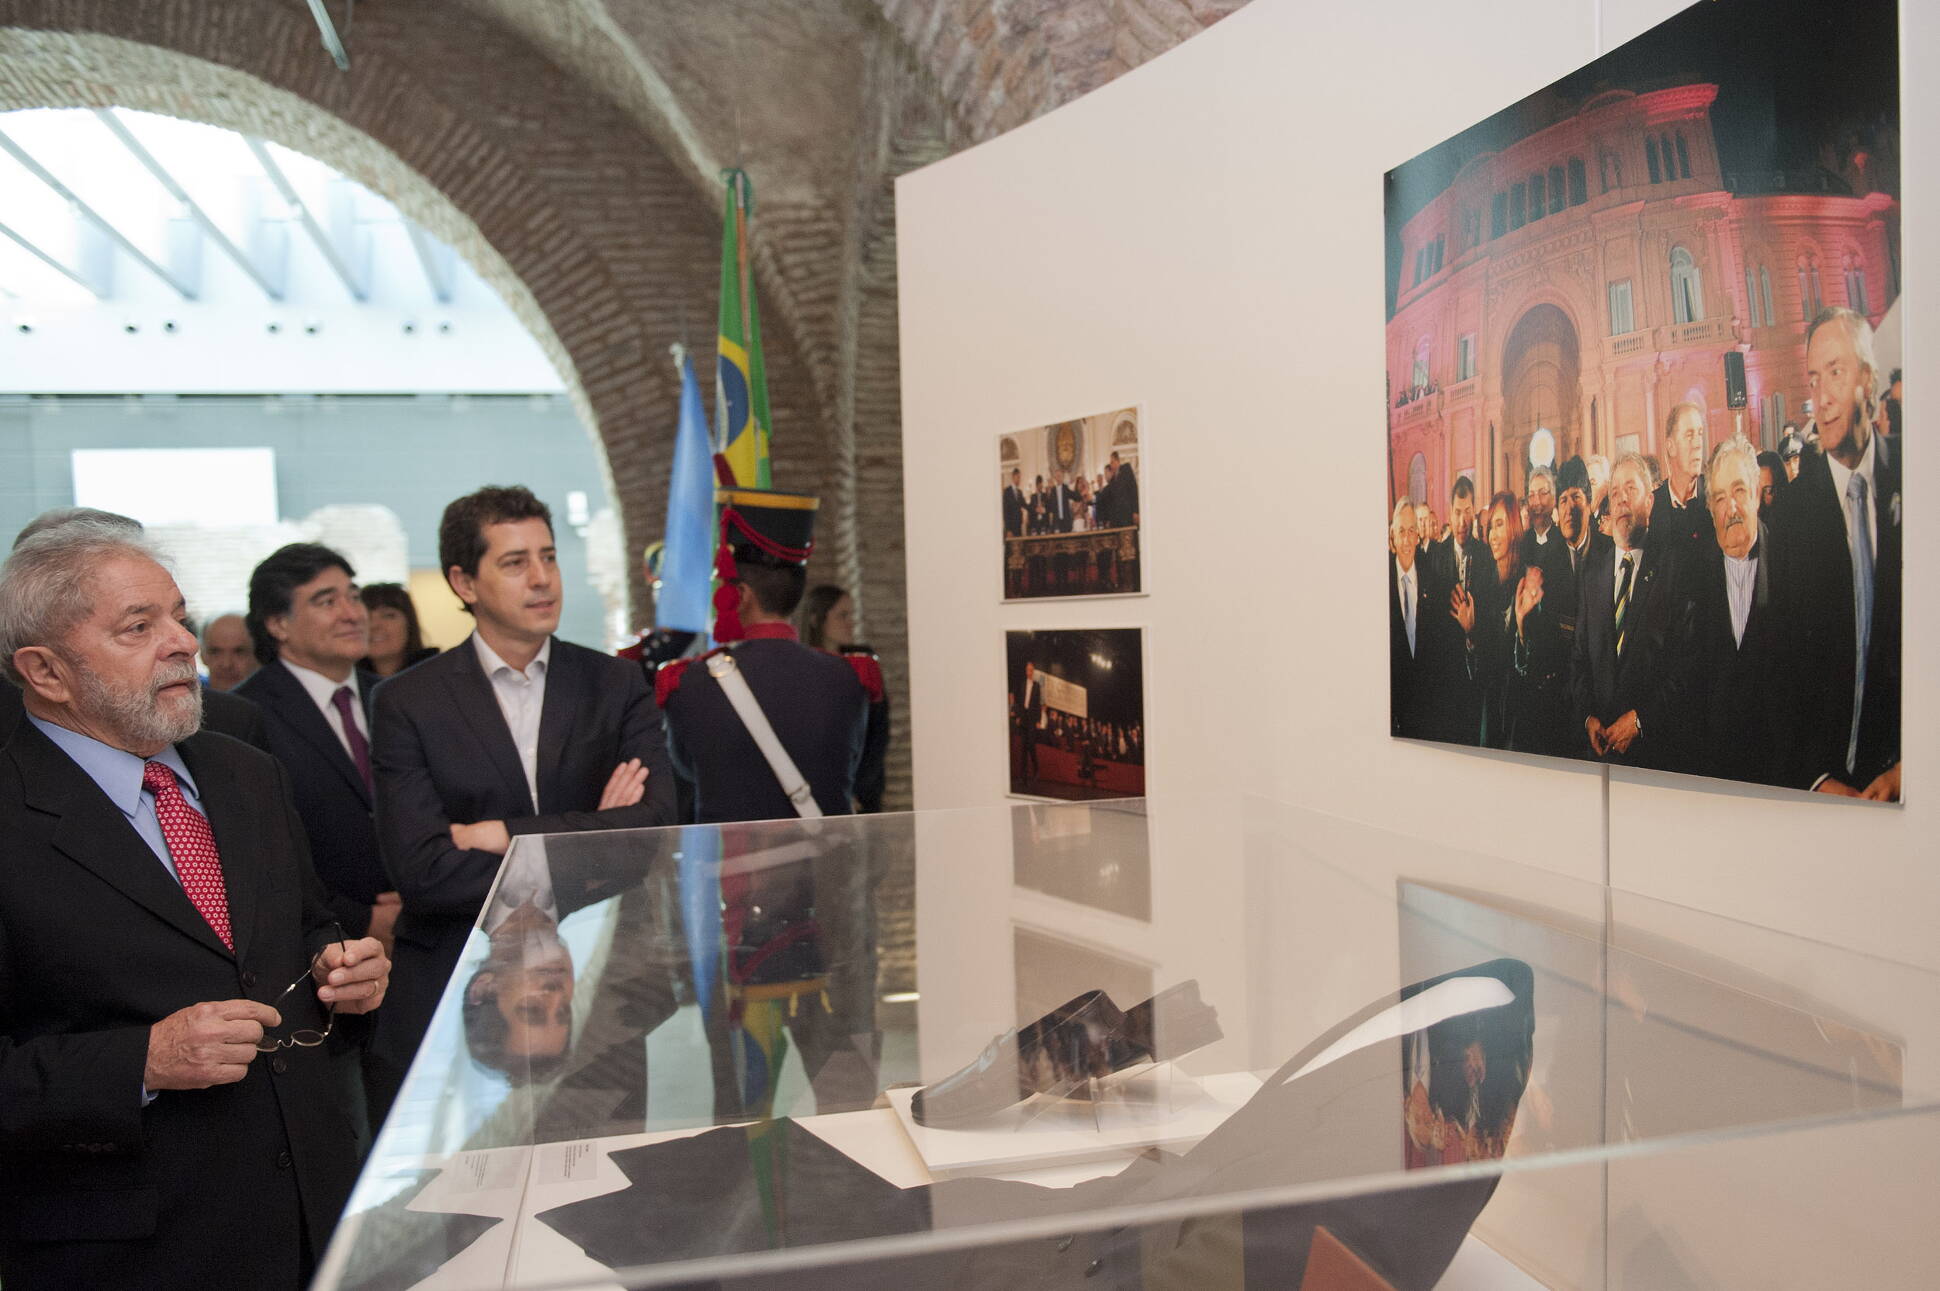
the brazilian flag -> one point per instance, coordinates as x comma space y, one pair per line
741, 379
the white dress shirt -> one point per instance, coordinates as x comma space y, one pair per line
521, 699
1636, 555
1404, 587
1740, 579
320, 688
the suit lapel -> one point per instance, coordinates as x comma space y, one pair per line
478, 703
229, 818
564, 682
95, 835
293, 704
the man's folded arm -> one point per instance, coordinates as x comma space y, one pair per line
640, 737
431, 874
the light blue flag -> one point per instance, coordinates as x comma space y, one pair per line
687, 566
699, 877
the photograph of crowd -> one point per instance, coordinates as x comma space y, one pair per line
1644, 409
1071, 508
1076, 704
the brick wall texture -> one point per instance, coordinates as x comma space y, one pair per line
571, 150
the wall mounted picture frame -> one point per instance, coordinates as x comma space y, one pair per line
1074, 705
1071, 511
1644, 332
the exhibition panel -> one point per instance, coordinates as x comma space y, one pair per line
1172, 1040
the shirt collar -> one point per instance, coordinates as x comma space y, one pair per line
769, 632
117, 771
490, 660
1842, 474
319, 687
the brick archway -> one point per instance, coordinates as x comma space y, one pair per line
592, 236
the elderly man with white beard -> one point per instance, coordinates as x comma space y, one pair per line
175, 1109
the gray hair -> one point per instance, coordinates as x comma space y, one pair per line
47, 584
1860, 332
59, 516
1735, 455
1405, 508
1539, 473
1637, 462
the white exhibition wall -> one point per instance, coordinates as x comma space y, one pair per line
1204, 238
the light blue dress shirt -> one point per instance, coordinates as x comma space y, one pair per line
119, 775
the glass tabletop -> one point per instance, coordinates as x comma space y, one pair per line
1153, 1040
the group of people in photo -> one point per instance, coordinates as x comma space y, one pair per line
1071, 504
1715, 611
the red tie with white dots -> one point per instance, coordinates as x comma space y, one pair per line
193, 846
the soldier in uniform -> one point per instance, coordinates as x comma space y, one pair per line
819, 704
783, 926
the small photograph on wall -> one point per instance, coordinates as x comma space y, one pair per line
1075, 706
1071, 515
1644, 409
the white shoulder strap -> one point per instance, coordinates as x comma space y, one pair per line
722, 668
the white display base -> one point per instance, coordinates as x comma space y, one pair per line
1162, 1107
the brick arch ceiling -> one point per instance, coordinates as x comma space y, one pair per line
582, 225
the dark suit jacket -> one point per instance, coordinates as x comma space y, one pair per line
1740, 726
1013, 511
1680, 533
227, 714
1457, 660
1815, 534
444, 755
1644, 680
201, 1188
331, 796
820, 713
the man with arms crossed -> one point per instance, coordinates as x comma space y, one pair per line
513, 732
159, 923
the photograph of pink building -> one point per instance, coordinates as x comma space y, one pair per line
1565, 289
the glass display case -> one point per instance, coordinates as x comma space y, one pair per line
1157, 1043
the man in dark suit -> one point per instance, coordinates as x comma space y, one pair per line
1457, 569
159, 921
1620, 680
237, 718
1680, 519
513, 732
816, 703
309, 628
1412, 621
1031, 704
1736, 650
1842, 523
1541, 719
1014, 505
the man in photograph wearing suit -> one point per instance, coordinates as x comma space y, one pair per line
513, 732
231, 715
1679, 514
309, 629
1412, 622
1014, 505
1457, 569
159, 920
1842, 523
1737, 648
1620, 675
1031, 704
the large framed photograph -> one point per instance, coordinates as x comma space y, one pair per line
1643, 409
1075, 713
1072, 519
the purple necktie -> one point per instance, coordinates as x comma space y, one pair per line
359, 746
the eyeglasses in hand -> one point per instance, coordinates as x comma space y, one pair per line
306, 1038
